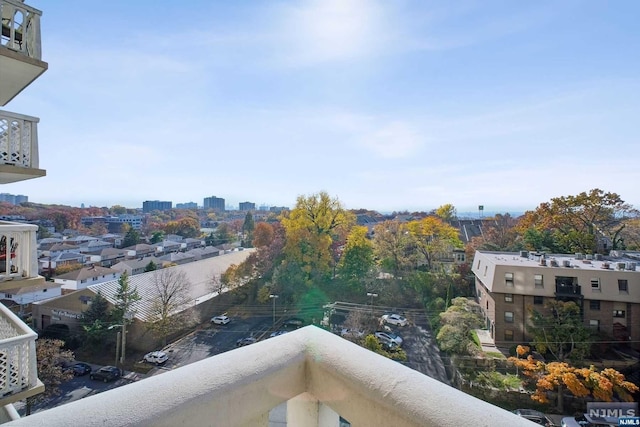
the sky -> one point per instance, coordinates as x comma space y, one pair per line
386, 105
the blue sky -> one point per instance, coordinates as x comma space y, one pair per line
387, 105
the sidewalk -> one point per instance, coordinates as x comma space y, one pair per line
486, 342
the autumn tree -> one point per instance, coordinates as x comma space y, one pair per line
392, 247
170, 297
579, 222
433, 238
187, 227
51, 359
560, 331
602, 385
446, 213
357, 259
248, 227
263, 234
311, 227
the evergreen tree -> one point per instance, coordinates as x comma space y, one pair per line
131, 238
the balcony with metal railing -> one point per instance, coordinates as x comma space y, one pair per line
18, 365
320, 376
19, 158
18, 255
20, 48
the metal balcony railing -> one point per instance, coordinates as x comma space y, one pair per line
18, 139
21, 28
18, 255
18, 365
568, 290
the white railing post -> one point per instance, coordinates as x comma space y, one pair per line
21, 28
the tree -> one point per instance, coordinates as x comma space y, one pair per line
446, 213
51, 359
247, 227
357, 258
118, 210
433, 238
580, 222
152, 266
561, 333
457, 323
263, 235
157, 237
581, 382
171, 295
126, 297
392, 246
185, 227
131, 238
311, 227
95, 322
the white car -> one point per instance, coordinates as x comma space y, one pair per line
351, 333
157, 357
220, 320
394, 319
388, 337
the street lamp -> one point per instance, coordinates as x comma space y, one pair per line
372, 295
273, 297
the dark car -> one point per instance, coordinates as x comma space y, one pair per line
535, 416
106, 374
81, 368
245, 341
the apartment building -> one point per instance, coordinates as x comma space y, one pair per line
156, 205
246, 206
607, 290
20, 64
215, 203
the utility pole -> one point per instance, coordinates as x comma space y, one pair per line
273, 297
372, 295
117, 348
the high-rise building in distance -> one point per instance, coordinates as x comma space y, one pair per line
156, 205
247, 206
213, 202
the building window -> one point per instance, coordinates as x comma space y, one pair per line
508, 297
508, 335
83, 281
538, 300
478, 267
508, 279
594, 324
619, 313
595, 285
485, 269
594, 304
8, 296
537, 280
508, 316
623, 286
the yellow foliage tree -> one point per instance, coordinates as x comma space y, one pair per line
581, 382
433, 237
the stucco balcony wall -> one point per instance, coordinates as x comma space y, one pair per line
317, 373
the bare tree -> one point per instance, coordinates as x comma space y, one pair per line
170, 310
216, 284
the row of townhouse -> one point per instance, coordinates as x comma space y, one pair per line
606, 288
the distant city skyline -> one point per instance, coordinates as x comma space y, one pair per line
387, 106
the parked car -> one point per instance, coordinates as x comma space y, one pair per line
394, 319
293, 323
277, 333
220, 320
157, 357
588, 421
535, 416
351, 333
388, 337
106, 374
81, 368
245, 341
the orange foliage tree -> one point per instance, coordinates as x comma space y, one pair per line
581, 382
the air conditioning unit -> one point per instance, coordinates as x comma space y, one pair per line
598, 257
631, 266
524, 254
579, 256
605, 265
566, 263
620, 265
589, 256
543, 261
553, 263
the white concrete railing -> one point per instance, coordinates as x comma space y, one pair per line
21, 28
18, 365
318, 374
19, 140
18, 255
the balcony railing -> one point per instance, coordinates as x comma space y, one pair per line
18, 147
18, 254
319, 375
18, 365
21, 28
568, 290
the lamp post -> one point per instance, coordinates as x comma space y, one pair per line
372, 295
121, 336
273, 297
